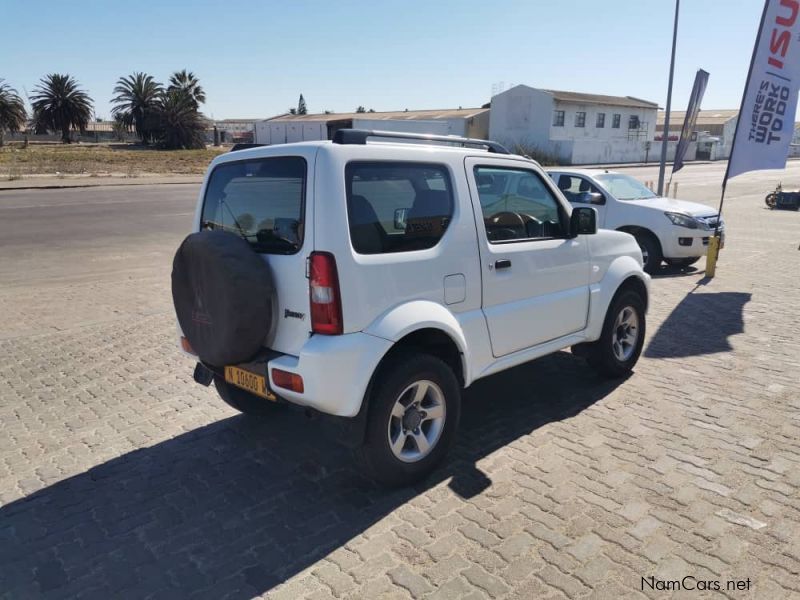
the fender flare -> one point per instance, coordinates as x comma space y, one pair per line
602, 292
399, 321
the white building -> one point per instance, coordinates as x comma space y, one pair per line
237, 130
713, 131
572, 127
465, 122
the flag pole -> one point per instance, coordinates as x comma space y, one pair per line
665, 134
713, 243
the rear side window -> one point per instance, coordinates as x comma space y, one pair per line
261, 200
397, 207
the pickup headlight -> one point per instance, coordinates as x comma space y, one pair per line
682, 220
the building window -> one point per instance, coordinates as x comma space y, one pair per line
601, 120
558, 118
580, 119
633, 122
615, 122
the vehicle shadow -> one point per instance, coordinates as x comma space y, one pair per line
667, 271
236, 507
699, 324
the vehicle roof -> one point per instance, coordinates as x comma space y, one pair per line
585, 172
383, 146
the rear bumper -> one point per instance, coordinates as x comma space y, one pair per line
336, 371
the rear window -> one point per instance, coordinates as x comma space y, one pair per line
397, 207
261, 200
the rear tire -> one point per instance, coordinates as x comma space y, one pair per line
245, 402
651, 250
617, 351
414, 409
681, 263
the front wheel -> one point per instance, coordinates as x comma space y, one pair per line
620, 344
651, 251
414, 410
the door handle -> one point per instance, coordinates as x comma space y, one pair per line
502, 263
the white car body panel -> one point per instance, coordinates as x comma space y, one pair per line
648, 214
556, 293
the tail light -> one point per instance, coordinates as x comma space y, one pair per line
326, 301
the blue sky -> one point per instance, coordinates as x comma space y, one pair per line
255, 58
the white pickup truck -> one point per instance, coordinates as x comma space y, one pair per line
372, 282
675, 231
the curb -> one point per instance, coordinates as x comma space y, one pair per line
61, 186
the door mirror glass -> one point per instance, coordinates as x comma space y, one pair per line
583, 221
400, 215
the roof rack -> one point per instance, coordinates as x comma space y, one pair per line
359, 136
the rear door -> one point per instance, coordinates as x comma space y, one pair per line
535, 280
267, 201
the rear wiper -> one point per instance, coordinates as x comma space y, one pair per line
266, 238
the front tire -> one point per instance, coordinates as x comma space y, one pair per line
244, 401
414, 409
617, 351
651, 251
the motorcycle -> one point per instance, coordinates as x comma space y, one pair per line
783, 199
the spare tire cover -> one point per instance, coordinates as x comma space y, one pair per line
222, 291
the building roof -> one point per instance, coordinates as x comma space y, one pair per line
411, 115
581, 98
704, 119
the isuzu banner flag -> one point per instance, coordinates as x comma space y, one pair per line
700, 83
766, 119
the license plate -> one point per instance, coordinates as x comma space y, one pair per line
252, 382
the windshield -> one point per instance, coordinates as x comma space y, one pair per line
624, 187
261, 200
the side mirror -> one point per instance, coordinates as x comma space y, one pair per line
583, 221
400, 215
592, 198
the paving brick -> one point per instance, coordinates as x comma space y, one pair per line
120, 477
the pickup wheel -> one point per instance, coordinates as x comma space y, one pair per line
616, 352
414, 409
651, 250
243, 401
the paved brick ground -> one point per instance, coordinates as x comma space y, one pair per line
119, 477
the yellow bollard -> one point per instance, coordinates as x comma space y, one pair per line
711, 257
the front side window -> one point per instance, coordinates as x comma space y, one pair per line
261, 200
517, 205
616, 120
574, 187
601, 120
558, 118
397, 206
580, 119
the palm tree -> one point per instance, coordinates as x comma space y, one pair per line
59, 105
180, 125
137, 98
12, 110
187, 82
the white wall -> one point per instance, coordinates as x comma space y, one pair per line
433, 126
521, 115
591, 131
282, 132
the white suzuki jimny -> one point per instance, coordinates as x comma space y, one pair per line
373, 282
